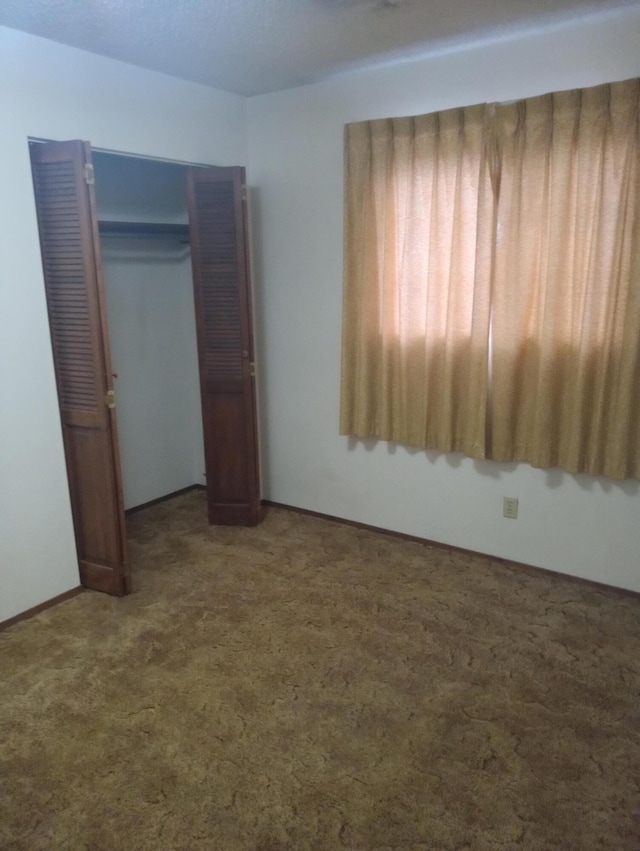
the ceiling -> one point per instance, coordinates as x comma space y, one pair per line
255, 46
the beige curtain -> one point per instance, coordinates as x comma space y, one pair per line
492, 281
418, 214
566, 289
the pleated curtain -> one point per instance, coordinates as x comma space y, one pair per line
418, 214
492, 281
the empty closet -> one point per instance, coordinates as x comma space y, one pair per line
146, 276
147, 273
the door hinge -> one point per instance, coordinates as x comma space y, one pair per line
252, 369
110, 399
89, 175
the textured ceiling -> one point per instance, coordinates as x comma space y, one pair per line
256, 46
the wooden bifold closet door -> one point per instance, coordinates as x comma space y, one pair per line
219, 254
63, 183
66, 208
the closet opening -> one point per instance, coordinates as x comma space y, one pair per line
147, 281
148, 287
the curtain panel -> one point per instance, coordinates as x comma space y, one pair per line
492, 281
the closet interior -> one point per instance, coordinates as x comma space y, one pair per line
147, 273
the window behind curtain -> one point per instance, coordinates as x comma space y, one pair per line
516, 224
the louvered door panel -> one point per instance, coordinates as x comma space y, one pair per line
71, 265
221, 315
218, 229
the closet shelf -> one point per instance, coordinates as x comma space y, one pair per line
144, 230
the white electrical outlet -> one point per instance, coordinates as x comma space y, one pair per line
510, 507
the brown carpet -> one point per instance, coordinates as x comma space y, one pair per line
306, 685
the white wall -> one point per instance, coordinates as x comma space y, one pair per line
575, 524
51, 91
150, 311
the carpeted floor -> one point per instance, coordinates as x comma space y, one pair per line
306, 685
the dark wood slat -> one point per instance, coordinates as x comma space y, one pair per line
42, 607
71, 265
225, 343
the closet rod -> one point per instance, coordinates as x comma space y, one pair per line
141, 230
